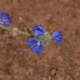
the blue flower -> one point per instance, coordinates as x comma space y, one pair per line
35, 45
57, 37
5, 19
38, 30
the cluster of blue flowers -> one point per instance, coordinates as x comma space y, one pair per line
36, 45
41, 37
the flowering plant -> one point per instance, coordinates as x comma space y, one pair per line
38, 37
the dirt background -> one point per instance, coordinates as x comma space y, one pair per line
57, 61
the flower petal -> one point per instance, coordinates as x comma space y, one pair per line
60, 37
30, 41
35, 27
59, 41
56, 33
41, 49
36, 33
55, 39
2, 13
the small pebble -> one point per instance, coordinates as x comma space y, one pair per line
53, 72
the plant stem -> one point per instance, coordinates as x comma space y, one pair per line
24, 33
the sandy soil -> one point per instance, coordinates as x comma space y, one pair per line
57, 61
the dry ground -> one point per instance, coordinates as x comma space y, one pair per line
57, 61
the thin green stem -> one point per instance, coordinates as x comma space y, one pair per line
21, 32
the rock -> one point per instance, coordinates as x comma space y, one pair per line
53, 72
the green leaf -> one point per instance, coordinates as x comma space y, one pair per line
28, 46
31, 36
41, 24
28, 30
7, 28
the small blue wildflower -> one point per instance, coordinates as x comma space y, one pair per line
35, 45
38, 30
57, 37
5, 19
